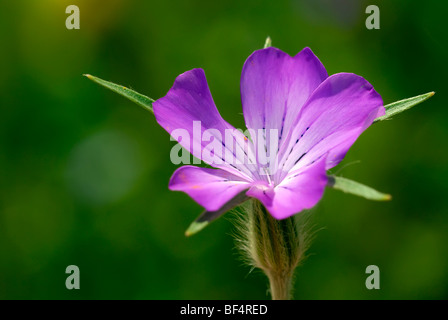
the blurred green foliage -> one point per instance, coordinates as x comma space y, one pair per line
84, 172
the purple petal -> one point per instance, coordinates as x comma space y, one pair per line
188, 109
274, 87
298, 191
337, 112
211, 188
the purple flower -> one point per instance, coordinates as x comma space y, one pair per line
302, 123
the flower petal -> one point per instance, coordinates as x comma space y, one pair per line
211, 188
190, 116
337, 112
274, 87
208, 216
298, 191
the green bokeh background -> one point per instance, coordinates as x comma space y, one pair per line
84, 172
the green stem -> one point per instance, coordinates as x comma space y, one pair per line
276, 247
281, 287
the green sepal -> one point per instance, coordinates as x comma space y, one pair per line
403, 105
208, 216
132, 95
195, 227
357, 189
268, 43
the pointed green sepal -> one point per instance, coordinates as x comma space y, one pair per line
403, 105
268, 43
132, 95
208, 216
195, 227
356, 188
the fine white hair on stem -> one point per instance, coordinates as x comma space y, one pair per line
277, 247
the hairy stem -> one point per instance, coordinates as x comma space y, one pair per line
280, 286
275, 246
